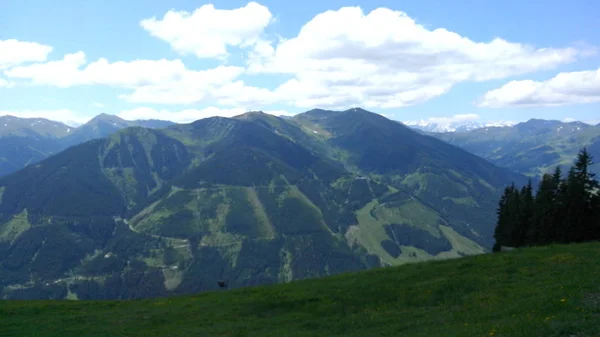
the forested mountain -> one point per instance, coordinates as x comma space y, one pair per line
563, 209
25, 141
533, 148
254, 199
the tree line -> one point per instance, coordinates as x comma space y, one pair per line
561, 209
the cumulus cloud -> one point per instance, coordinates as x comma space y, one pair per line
74, 70
98, 105
340, 58
187, 115
187, 88
207, 32
385, 59
563, 89
152, 81
14, 52
5, 84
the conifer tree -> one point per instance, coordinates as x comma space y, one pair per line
540, 231
501, 224
525, 215
563, 210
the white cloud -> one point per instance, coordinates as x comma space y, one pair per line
98, 105
207, 32
14, 52
187, 88
70, 71
6, 84
69, 117
187, 115
340, 59
563, 89
152, 81
385, 59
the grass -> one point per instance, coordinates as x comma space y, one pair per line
370, 232
15, 227
547, 291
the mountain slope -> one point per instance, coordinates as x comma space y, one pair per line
533, 147
15, 126
104, 125
544, 291
252, 200
167, 217
25, 141
460, 187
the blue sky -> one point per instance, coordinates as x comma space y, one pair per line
385, 61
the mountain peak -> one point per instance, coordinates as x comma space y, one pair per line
107, 117
251, 114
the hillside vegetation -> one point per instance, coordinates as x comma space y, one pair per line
562, 209
251, 200
533, 148
549, 291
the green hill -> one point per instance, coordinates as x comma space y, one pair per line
543, 291
253, 200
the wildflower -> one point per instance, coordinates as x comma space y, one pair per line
563, 300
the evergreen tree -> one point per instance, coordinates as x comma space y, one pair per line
513, 218
501, 225
525, 216
579, 211
562, 210
541, 229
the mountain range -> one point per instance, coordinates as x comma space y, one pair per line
156, 209
533, 147
25, 141
453, 126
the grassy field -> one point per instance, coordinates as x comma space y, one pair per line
546, 291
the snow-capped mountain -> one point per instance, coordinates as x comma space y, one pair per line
430, 126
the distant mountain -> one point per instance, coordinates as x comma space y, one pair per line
251, 200
430, 126
533, 147
41, 127
25, 141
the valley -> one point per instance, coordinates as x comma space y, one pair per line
254, 199
532, 148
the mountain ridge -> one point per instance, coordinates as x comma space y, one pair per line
189, 204
26, 141
533, 147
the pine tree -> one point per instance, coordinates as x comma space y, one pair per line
513, 217
579, 212
563, 210
501, 224
589, 197
525, 216
541, 229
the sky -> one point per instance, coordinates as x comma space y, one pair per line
182, 60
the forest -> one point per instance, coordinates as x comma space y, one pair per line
563, 209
